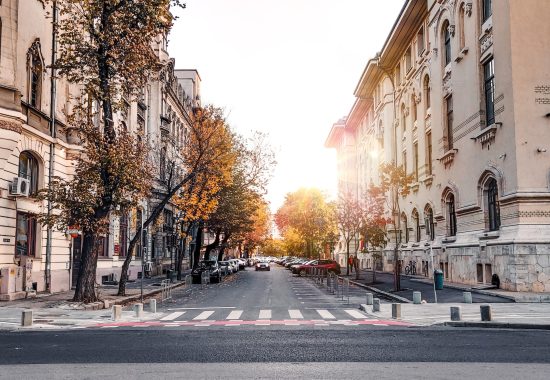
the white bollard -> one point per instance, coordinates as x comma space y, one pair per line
376, 304
138, 309
467, 297
369, 298
396, 310
26, 318
153, 305
417, 298
116, 312
456, 313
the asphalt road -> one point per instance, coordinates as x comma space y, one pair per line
277, 351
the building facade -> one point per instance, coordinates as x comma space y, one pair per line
36, 144
459, 96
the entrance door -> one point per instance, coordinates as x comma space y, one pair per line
77, 252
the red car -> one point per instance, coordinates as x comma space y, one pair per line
329, 265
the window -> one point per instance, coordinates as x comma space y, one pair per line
35, 75
25, 235
415, 161
427, 92
408, 60
413, 109
451, 214
487, 10
420, 41
139, 221
163, 164
405, 227
489, 84
102, 246
449, 126
446, 43
416, 221
429, 221
493, 208
28, 168
429, 153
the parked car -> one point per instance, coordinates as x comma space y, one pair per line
262, 265
329, 265
235, 264
225, 267
242, 264
295, 268
206, 265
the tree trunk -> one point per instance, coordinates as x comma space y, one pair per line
181, 253
223, 245
126, 265
197, 248
85, 285
212, 245
347, 258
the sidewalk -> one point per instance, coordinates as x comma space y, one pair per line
57, 310
516, 315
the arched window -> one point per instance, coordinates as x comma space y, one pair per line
429, 222
416, 222
28, 168
493, 207
446, 43
427, 92
405, 228
451, 215
35, 69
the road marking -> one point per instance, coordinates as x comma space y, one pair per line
204, 315
355, 313
295, 314
202, 308
235, 314
172, 316
325, 314
265, 314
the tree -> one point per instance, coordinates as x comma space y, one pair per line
105, 49
310, 215
201, 167
273, 247
395, 183
350, 216
373, 229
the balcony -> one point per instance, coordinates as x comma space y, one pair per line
165, 124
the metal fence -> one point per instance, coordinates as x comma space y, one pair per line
166, 290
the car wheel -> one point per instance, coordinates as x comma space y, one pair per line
302, 272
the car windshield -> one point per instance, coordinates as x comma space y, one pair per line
208, 264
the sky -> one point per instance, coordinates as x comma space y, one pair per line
287, 68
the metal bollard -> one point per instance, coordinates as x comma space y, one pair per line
396, 310
417, 298
467, 297
116, 312
456, 313
369, 298
376, 304
26, 318
153, 305
486, 314
138, 309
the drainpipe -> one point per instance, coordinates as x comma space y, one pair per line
48, 275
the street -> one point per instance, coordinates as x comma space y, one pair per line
268, 317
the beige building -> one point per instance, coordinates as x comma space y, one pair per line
460, 95
35, 144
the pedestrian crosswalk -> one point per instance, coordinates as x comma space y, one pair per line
264, 314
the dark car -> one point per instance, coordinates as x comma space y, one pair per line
206, 265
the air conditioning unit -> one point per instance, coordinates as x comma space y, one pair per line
20, 187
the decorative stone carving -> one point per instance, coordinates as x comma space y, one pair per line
434, 52
9, 126
486, 42
468, 8
451, 28
447, 86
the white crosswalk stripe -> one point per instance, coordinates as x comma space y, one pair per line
172, 316
355, 313
265, 314
325, 314
235, 314
203, 315
295, 314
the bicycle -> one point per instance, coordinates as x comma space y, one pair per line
411, 268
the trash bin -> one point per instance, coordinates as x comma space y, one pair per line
169, 274
438, 279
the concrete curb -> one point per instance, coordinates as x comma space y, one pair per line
496, 325
378, 291
124, 300
464, 289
